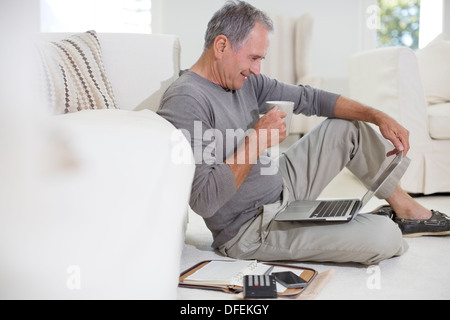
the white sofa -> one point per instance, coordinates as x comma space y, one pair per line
107, 213
390, 79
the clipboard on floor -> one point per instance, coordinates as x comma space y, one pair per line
227, 276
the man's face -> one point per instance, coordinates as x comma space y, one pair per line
238, 65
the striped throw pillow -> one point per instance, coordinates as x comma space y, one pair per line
75, 76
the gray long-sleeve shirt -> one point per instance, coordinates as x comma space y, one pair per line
215, 120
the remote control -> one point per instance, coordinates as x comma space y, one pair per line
260, 287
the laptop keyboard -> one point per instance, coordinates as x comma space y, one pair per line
328, 209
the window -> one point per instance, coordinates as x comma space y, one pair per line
399, 23
132, 16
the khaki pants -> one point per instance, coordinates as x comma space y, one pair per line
307, 168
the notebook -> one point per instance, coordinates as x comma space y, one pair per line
227, 275
335, 210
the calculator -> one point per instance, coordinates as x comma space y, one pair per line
260, 287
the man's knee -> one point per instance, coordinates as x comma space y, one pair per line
384, 240
342, 126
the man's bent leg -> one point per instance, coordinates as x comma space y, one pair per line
311, 163
368, 239
307, 167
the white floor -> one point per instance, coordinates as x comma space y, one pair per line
419, 274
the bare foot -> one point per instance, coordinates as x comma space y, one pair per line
406, 207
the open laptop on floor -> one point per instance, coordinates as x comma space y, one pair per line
335, 210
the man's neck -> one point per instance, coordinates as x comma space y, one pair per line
205, 67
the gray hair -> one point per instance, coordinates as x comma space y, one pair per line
235, 20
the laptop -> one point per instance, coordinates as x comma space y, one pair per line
335, 210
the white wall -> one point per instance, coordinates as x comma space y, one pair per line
340, 28
188, 20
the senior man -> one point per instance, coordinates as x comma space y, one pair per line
224, 93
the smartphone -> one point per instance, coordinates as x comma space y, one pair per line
289, 279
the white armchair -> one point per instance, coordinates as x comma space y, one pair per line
389, 79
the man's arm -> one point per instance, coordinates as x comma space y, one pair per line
390, 129
258, 141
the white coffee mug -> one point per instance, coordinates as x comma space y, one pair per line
287, 107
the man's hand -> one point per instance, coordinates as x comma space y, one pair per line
389, 128
271, 125
395, 133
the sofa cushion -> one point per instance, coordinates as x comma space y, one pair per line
434, 64
75, 75
439, 119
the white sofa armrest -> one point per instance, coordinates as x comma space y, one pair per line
106, 219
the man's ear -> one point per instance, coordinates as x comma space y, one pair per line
221, 44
